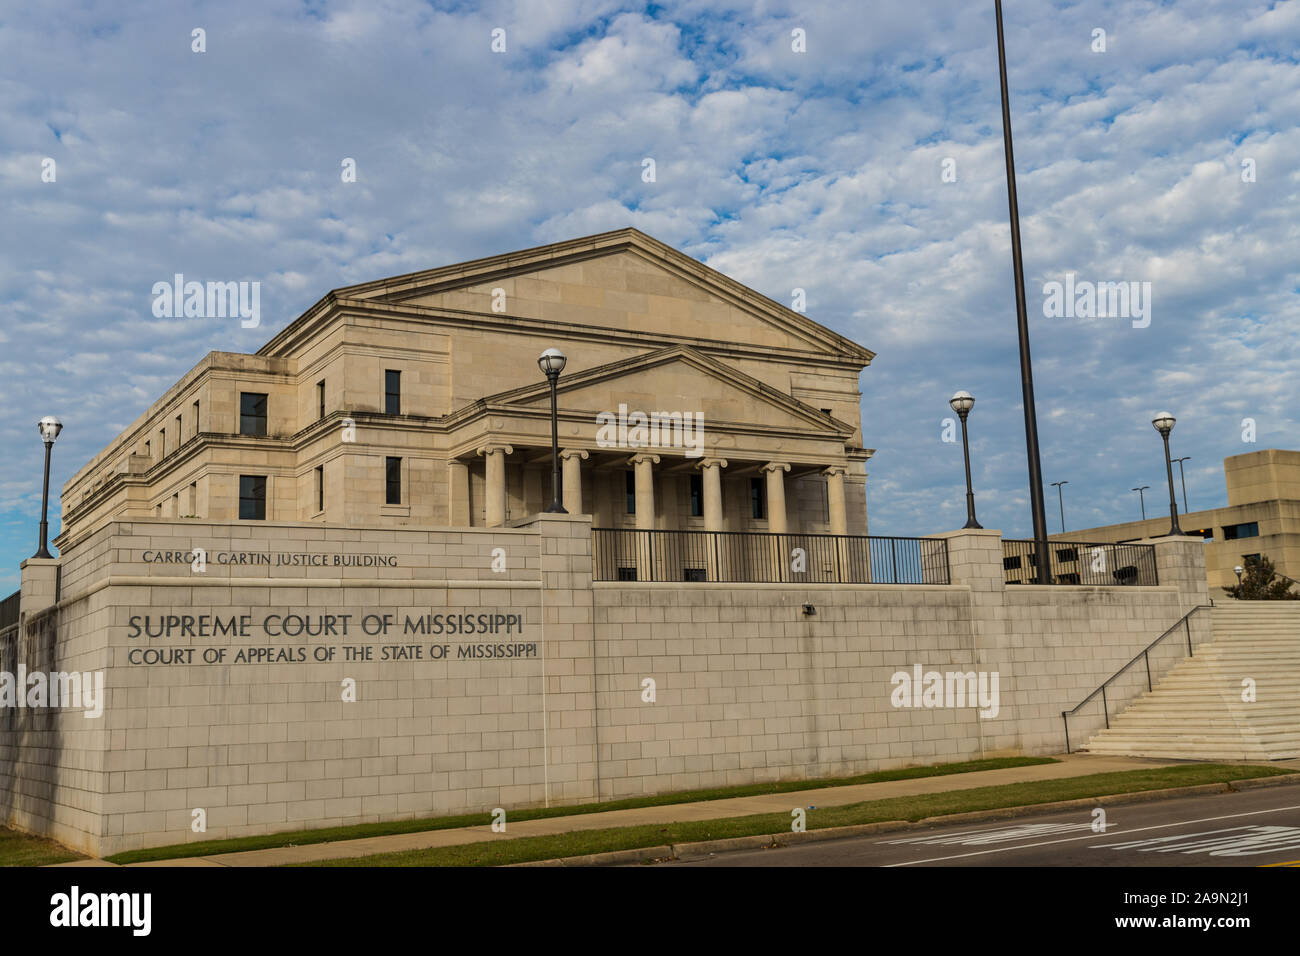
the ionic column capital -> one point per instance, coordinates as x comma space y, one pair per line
580, 453
642, 458
711, 463
493, 447
775, 465
832, 470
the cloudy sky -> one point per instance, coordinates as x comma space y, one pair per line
821, 169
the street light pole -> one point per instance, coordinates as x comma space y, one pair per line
49, 427
1142, 499
552, 362
962, 403
1164, 424
1022, 323
1061, 501
1183, 478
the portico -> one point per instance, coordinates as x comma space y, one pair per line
784, 469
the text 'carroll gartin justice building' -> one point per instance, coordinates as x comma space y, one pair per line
417, 401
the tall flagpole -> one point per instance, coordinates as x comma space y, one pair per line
1042, 558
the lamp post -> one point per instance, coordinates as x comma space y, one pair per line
961, 403
1237, 571
1183, 478
49, 427
552, 362
1061, 501
1164, 424
1142, 499
1022, 323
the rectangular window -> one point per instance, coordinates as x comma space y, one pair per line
320, 399
629, 488
697, 495
757, 498
178, 431
162, 443
694, 574
627, 574
196, 417
392, 392
252, 497
1231, 532
320, 488
252, 413
393, 481
194, 499
148, 449
176, 505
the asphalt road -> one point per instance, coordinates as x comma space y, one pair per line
1249, 828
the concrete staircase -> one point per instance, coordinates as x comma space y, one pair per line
1196, 711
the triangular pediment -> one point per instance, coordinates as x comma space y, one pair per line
622, 280
675, 379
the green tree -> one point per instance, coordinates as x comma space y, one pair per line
1261, 582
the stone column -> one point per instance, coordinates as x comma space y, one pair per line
711, 469
711, 491
776, 519
458, 494
645, 490
571, 460
495, 468
852, 564
835, 499
648, 557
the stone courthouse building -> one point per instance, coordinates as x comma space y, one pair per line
317, 586
417, 401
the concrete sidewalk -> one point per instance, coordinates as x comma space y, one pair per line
1073, 765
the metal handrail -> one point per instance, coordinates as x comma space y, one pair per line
1185, 620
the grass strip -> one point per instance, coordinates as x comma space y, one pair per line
527, 849
23, 849
360, 831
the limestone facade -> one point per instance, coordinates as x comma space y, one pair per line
417, 401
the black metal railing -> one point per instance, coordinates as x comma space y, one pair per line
1184, 622
9, 610
1079, 562
626, 554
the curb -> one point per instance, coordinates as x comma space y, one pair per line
612, 858
704, 848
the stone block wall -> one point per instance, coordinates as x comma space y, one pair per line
235, 690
